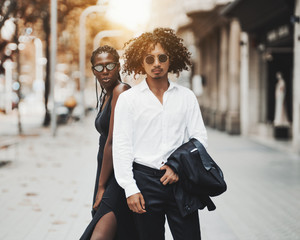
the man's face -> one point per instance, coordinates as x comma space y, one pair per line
156, 62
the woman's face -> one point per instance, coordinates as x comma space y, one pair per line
106, 70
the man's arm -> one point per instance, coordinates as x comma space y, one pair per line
195, 124
123, 154
123, 146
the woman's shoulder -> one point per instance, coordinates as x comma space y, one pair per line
122, 87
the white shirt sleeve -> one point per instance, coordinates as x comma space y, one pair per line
123, 146
195, 124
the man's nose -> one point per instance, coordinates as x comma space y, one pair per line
156, 61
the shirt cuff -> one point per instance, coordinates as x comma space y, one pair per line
131, 189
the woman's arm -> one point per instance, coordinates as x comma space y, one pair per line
107, 164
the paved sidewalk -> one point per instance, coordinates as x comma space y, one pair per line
46, 192
262, 201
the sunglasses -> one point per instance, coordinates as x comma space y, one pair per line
161, 58
108, 66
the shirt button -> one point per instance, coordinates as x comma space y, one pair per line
162, 162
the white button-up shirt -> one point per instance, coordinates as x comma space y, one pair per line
147, 132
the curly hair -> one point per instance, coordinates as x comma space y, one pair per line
105, 49
136, 49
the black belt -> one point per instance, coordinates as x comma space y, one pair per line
148, 170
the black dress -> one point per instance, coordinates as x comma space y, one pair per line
114, 196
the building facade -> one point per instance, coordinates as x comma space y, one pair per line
241, 51
269, 63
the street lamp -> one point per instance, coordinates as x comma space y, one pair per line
103, 34
38, 84
82, 31
53, 48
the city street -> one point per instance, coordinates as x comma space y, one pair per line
239, 58
46, 189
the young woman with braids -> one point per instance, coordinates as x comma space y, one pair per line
151, 120
111, 217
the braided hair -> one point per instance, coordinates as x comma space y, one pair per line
115, 54
136, 49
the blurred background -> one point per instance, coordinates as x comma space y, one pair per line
238, 48
245, 74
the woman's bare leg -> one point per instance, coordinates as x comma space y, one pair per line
106, 227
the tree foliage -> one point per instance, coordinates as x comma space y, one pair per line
35, 14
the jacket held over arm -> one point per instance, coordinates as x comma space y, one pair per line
200, 177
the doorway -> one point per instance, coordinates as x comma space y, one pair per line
280, 62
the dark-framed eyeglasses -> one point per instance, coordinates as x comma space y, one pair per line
162, 58
108, 66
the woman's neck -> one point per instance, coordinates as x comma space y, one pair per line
110, 90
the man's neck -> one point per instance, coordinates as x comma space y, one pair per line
158, 85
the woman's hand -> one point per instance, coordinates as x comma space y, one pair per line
99, 196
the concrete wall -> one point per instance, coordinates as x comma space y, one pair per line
254, 90
222, 79
233, 113
244, 84
296, 83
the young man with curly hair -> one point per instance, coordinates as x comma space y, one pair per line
152, 119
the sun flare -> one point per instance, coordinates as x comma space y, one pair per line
131, 13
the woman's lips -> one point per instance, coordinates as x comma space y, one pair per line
106, 80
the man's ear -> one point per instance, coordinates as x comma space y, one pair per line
142, 68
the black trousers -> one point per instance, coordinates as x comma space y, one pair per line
160, 202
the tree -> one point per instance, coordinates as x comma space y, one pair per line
6, 9
36, 14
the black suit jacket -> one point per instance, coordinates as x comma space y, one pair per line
188, 200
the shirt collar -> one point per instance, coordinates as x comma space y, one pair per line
172, 85
143, 85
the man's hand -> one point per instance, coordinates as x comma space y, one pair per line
136, 203
169, 177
